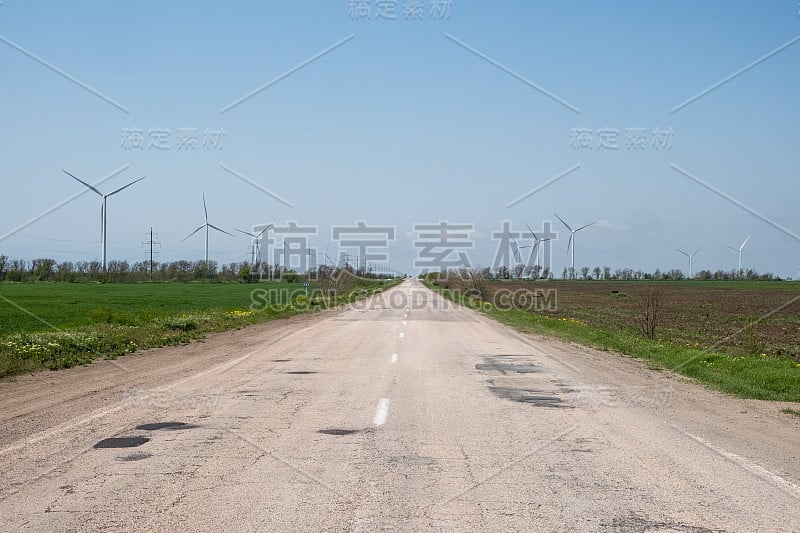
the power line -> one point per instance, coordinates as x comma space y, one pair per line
151, 243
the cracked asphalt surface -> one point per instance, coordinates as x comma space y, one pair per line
405, 412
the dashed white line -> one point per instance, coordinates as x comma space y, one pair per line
404, 322
394, 358
382, 412
402, 335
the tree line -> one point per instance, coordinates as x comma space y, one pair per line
619, 274
50, 270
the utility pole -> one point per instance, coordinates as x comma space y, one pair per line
151, 243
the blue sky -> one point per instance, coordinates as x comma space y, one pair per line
401, 125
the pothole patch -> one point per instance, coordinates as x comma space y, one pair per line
338, 432
508, 368
155, 426
121, 442
134, 456
300, 372
529, 396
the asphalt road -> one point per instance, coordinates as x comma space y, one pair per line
406, 413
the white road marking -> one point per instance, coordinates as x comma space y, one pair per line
394, 358
404, 322
751, 467
402, 335
382, 412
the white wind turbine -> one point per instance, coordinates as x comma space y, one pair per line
739, 251
256, 242
571, 243
103, 212
691, 257
206, 226
537, 251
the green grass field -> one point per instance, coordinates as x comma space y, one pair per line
73, 305
60, 325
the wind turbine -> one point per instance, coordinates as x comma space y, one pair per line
690, 256
517, 248
571, 242
256, 245
536, 248
103, 211
327, 258
739, 251
206, 226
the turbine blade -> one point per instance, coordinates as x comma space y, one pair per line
253, 235
535, 237
126, 186
222, 230
732, 248
195, 231
681, 251
260, 233
562, 221
204, 207
569, 243
693, 253
745, 241
86, 184
515, 247
586, 226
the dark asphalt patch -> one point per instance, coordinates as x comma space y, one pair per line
508, 368
338, 432
281, 360
134, 456
162, 425
636, 524
121, 442
300, 372
529, 396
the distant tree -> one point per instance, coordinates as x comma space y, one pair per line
3, 266
584, 272
65, 272
244, 274
519, 269
606, 273
650, 302
596, 272
703, 275
674, 274
42, 269
503, 272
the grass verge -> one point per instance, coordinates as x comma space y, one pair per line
762, 378
109, 332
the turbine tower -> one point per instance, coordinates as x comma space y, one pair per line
571, 243
256, 245
206, 226
690, 256
739, 251
103, 212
